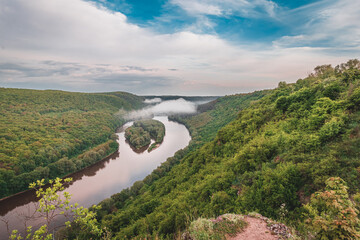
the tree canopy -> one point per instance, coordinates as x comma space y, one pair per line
48, 134
276, 153
139, 135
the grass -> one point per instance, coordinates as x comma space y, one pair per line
217, 229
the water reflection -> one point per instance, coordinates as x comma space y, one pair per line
29, 196
104, 178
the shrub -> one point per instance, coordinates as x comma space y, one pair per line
282, 103
331, 129
227, 224
331, 214
355, 99
332, 91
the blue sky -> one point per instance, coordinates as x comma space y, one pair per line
190, 47
231, 20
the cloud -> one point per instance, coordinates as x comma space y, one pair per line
141, 69
134, 82
15, 69
199, 7
242, 8
83, 77
78, 45
326, 23
178, 106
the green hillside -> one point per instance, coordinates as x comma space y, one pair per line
215, 115
203, 127
270, 159
47, 134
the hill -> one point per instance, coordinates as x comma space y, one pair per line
270, 159
203, 127
48, 134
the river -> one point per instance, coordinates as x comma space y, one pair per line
104, 178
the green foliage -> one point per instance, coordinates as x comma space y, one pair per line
155, 128
219, 228
42, 133
324, 71
40, 234
137, 137
202, 229
282, 103
331, 214
140, 134
331, 129
269, 157
54, 202
349, 71
355, 99
273, 191
332, 91
218, 113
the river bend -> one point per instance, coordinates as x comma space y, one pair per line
104, 178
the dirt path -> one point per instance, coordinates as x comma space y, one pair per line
256, 230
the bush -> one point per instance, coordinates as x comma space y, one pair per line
227, 224
355, 99
331, 214
332, 91
331, 129
282, 103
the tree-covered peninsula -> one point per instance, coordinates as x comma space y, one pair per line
139, 135
48, 134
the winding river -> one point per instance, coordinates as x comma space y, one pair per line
102, 179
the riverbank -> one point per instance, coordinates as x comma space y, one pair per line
110, 175
27, 196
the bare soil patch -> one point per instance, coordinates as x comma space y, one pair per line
255, 230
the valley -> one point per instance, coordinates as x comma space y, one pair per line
119, 171
290, 154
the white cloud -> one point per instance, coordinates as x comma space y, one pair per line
199, 7
329, 24
243, 8
99, 50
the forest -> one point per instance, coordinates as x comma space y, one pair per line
283, 146
139, 135
290, 154
49, 134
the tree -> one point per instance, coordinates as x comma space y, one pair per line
323, 71
282, 103
331, 213
354, 101
54, 202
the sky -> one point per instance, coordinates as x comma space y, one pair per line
183, 47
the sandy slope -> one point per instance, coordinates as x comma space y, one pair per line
256, 230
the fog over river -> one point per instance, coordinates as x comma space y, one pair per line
178, 106
110, 175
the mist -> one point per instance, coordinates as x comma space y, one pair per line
178, 106
153, 100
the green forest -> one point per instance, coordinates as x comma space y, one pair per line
139, 135
290, 154
281, 147
48, 134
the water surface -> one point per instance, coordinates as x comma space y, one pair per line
104, 178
